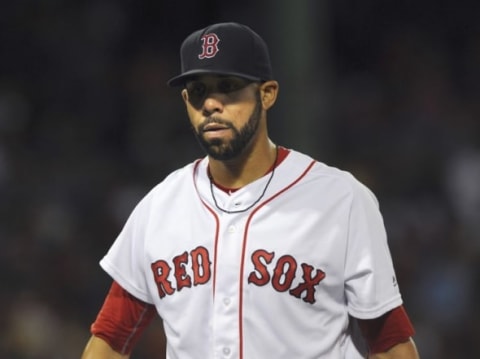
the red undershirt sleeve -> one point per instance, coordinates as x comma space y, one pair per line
392, 328
122, 319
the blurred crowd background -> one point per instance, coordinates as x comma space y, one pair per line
388, 90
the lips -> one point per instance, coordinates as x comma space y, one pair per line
214, 127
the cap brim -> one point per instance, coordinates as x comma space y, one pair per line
181, 79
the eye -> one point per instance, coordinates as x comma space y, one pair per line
230, 85
196, 89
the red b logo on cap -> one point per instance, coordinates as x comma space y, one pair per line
209, 46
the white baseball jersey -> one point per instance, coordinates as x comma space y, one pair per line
280, 280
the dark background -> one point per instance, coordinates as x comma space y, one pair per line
388, 90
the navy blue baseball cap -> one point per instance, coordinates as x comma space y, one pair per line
229, 49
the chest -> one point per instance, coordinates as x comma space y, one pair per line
291, 242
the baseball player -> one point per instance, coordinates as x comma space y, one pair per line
256, 250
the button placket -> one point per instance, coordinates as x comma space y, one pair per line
228, 265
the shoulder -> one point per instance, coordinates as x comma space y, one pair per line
175, 183
334, 177
177, 178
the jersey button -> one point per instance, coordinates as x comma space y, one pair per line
231, 229
227, 301
226, 351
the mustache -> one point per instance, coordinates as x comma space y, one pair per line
216, 120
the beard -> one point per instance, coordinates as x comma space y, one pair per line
220, 149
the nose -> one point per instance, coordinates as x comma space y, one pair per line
212, 104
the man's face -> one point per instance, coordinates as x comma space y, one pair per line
225, 113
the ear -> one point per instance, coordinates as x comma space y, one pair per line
185, 95
268, 93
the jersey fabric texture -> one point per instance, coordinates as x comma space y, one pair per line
281, 280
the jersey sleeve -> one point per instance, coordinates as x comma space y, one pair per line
122, 319
370, 282
125, 260
388, 330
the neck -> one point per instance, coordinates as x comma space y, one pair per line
245, 169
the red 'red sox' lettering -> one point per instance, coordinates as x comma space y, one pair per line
161, 270
174, 277
284, 274
200, 265
261, 268
308, 284
183, 279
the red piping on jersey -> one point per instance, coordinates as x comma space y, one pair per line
217, 226
244, 246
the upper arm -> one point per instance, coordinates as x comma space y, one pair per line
122, 319
97, 348
370, 285
390, 336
